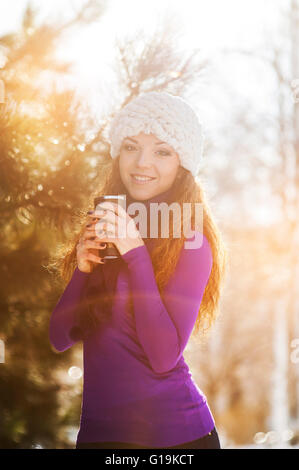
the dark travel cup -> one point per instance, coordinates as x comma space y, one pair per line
110, 252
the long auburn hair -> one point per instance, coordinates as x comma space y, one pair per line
166, 251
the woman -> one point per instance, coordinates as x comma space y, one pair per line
135, 314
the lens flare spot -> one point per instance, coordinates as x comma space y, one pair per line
75, 372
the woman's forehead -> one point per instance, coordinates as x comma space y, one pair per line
142, 137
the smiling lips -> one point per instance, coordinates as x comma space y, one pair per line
139, 179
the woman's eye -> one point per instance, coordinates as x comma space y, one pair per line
127, 147
164, 151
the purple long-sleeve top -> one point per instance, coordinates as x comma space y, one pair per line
137, 386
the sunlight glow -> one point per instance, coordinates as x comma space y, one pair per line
75, 372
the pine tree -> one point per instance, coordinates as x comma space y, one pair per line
45, 170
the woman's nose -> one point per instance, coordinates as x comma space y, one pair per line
144, 158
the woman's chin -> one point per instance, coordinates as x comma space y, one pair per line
140, 191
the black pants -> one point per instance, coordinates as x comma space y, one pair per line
210, 441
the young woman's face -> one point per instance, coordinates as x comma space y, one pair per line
144, 155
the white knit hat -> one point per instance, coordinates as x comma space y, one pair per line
170, 118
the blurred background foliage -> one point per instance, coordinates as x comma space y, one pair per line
53, 148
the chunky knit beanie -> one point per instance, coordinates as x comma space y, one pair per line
170, 118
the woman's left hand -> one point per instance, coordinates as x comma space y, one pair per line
115, 226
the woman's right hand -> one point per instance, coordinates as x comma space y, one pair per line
88, 249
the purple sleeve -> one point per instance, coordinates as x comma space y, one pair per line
63, 318
164, 327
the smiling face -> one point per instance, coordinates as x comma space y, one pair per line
145, 155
